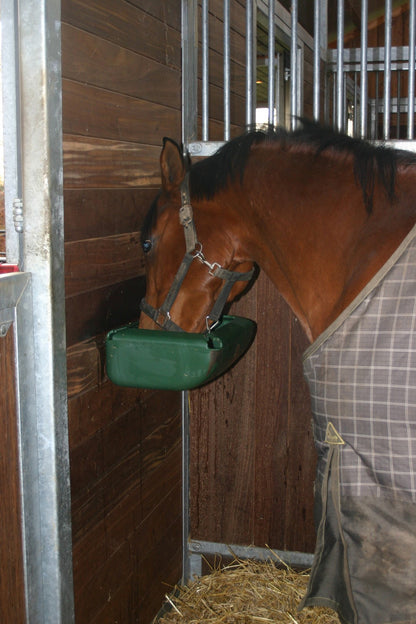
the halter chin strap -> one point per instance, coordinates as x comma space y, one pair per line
161, 315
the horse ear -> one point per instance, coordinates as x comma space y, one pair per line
172, 165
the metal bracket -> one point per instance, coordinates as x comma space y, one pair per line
18, 215
4, 328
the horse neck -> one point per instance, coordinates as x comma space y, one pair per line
311, 234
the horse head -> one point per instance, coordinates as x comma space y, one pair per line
195, 262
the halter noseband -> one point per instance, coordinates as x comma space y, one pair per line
161, 315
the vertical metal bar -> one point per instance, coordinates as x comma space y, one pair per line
42, 186
398, 113
340, 66
411, 85
271, 72
227, 119
355, 111
317, 59
189, 71
186, 564
293, 64
376, 114
250, 60
205, 70
363, 69
387, 70
11, 127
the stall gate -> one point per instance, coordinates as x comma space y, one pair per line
347, 64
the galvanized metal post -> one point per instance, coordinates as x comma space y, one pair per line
363, 69
271, 72
43, 250
189, 71
11, 128
205, 70
293, 64
411, 84
387, 71
251, 8
340, 67
227, 85
316, 59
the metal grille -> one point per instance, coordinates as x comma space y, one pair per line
359, 89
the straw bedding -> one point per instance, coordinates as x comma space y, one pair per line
242, 592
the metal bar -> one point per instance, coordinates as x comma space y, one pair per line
363, 69
11, 127
189, 71
293, 64
272, 68
205, 70
387, 70
292, 558
340, 67
317, 59
186, 564
411, 85
250, 59
227, 86
399, 82
42, 186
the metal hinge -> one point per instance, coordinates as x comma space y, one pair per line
18, 215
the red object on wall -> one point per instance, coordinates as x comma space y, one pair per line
8, 268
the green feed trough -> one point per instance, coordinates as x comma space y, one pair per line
144, 358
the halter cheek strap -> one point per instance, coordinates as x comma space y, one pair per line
161, 315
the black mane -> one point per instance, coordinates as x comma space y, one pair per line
371, 162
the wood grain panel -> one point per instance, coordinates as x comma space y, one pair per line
96, 312
109, 115
83, 368
95, 213
90, 60
253, 460
12, 595
100, 163
223, 441
99, 262
125, 25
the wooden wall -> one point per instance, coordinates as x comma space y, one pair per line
12, 585
121, 95
252, 454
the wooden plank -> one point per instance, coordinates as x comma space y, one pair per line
271, 415
127, 25
140, 492
95, 213
99, 262
94, 61
100, 163
95, 112
301, 466
94, 410
96, 312
84, 368
12, 593
166, 12
222, 451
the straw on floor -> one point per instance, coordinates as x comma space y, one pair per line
242, 592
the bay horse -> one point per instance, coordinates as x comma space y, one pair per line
331, 220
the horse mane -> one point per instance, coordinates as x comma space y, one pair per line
371, 162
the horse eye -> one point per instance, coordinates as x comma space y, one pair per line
147, 245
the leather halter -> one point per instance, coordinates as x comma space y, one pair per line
161, 315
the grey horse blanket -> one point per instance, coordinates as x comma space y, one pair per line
362, 377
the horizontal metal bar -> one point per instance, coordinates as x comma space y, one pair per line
353, 55
202, 148
291, 558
